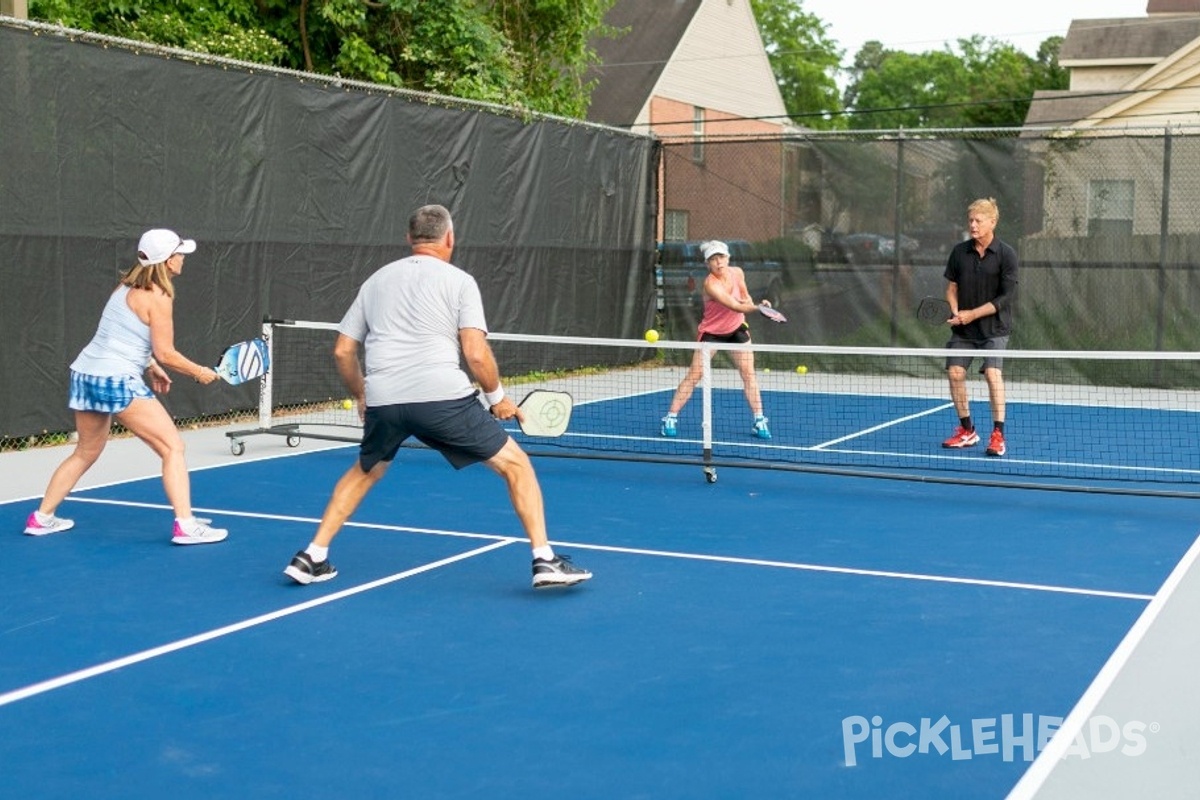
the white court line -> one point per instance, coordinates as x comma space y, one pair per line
1033, 779
289, 518
191, 641
503, 541
870, 573
949, 455
881, 426
912, 576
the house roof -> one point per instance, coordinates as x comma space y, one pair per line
1134, 38
1062, 107
1173, 7
632, 63
1105, 43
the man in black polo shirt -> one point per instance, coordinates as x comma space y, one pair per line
981, 276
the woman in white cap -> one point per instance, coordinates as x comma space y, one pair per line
726, 303
135, 338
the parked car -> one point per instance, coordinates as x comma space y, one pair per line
937, 241
682, 272
873, 248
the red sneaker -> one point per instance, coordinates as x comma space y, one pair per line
962, 438
996, 444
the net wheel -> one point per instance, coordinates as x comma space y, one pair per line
293, 441
710, 474
237, 446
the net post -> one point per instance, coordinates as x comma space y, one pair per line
265, 385
706, 424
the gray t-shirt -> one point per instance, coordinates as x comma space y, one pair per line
408, 315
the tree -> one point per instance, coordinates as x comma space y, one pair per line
527, 53
229, 28
909, 90
552, 42
986, 83
804, 59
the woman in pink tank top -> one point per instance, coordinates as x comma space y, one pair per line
726, 302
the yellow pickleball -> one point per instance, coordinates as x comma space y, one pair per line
651, 335
800, 370
347, 404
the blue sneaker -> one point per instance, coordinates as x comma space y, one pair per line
670, 426
760, 428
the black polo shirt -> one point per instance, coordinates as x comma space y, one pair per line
992, 278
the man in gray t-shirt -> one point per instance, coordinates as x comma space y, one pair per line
414, 318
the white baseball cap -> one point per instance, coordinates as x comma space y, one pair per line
159, 244
713, 248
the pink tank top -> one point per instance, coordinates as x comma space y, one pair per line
719, 319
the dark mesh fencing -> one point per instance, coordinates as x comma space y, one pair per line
849, 232
297, 188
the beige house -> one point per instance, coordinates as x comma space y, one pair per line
692, 72
1132, 81
1135, 72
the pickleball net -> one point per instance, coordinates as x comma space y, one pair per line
1097, 421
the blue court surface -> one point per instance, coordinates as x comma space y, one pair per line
772, 635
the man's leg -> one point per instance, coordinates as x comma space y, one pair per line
964, 434
513, 464
958, 391
312, 564
995, 381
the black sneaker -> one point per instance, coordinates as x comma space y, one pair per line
558, 571
304, 570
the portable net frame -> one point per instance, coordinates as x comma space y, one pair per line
1118, 422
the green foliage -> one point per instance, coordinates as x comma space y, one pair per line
226, 28
551, 44
984, 83
527, 53
804, 59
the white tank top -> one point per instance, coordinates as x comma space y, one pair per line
121, 345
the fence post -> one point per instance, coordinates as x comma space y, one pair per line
897, 222
1163, 240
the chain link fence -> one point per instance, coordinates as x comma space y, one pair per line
847, 232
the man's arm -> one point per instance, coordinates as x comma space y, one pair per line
1008, 278
481, 363
345, 357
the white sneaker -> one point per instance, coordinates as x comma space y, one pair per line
199, 534
50, 524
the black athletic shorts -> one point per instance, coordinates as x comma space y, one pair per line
739, 335
462, 430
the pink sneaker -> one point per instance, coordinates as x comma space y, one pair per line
50, 524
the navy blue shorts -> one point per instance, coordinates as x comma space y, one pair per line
462, 430
989, 361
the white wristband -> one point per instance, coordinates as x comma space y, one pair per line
495, 397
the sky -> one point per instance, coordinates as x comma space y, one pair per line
918, 26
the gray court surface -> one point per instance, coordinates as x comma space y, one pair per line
1134, 734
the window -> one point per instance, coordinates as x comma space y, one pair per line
698, 133
1110, 208
675, 226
